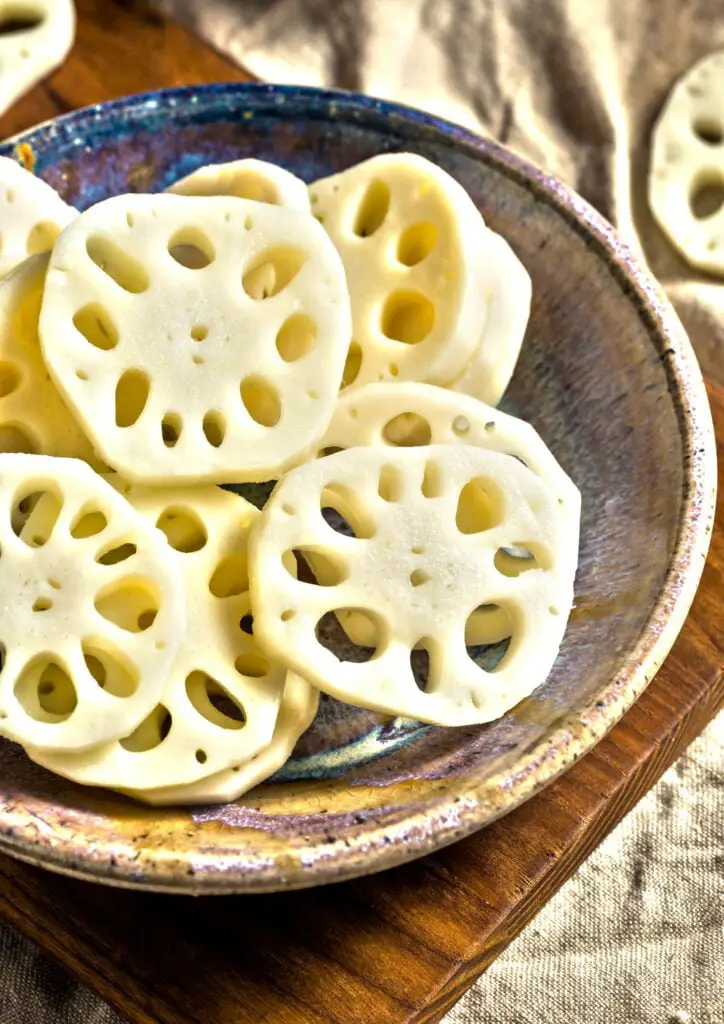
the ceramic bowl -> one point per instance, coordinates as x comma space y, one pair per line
610, 381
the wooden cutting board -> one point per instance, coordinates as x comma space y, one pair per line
396, 948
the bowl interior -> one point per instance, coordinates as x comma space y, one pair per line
593, 382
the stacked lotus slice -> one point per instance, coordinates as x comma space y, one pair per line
163, 636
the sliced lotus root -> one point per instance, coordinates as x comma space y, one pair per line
686, 176
196, 338
220, 703
437, 532
32, 214
33, 416
35, 37
414, 247
93, 613
296, 713
413, 414
246, 179
508, 289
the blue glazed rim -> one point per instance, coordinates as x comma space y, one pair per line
475, 800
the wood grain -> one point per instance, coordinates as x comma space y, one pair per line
396, 948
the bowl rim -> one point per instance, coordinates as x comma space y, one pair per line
475, 800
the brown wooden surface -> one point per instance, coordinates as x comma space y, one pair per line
396, 948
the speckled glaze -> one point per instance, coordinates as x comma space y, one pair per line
610, 381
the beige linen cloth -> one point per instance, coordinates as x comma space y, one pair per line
637, 935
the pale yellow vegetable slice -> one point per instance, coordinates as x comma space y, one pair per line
246, 179
93, 614
438, 532
33, 416
32, 214
414, 248
197, 339
220, 703
508, 289
422, 414
296, 713
38, 46
412, 414
686, 174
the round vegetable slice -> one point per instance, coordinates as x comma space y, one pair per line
37, 44
414, 247
412, 414
432, 534
93, 614
32, 213
196, 338
509, 289
33, 416
686, 175
296, 713
220, 703
246, 179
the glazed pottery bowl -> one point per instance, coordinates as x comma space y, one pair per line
608, 378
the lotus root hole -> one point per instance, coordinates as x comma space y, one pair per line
231, 576
130, 604
122, 268
15, 19
489, 631
317, 566
272, 271
213, 702
432, 480
333, 637
95, 324
352, 364
261, 401
517, 559
344, 513
192, 248
89, 522
45, 691
253, 665
391, 483
34, 516
296, 337
407, 317
481, 506
706, 195
116, 553
709, 130
171, 428
183, 528
407, 430
416, 243
132, 392
10, 378
214, 428
112, 670
373, 209
151, 733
